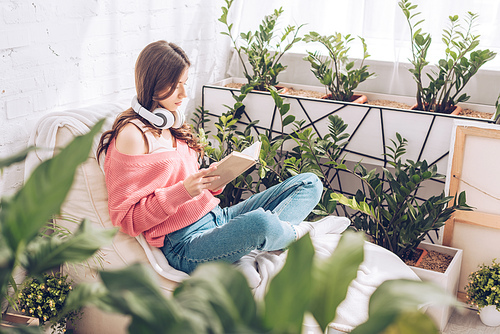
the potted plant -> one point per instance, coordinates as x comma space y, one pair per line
483, 291
44, 299
371, 126
23, 215
263, 56
260, 54
460, 64
336, 72
389, 211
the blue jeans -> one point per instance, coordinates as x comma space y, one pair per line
263, 221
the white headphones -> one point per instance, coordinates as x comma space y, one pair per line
160, 118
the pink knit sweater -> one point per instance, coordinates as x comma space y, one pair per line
146, 193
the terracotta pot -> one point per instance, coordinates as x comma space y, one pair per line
455, 111
424, 253
281, 89
490, 316
356, 98
447, 280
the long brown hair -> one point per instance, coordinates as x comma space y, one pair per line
157, 72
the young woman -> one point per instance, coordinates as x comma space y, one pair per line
156, 188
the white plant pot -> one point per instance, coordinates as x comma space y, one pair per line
47, 329
490, 316
447, 280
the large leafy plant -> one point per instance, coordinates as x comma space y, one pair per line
263, 48
484, 286
389, 210
26, 213
336, 71
461, 62
217, 299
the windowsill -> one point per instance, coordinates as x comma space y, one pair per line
383, 56
393, 78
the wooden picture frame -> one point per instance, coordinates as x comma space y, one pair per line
474, 168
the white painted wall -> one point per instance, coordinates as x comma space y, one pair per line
56, 54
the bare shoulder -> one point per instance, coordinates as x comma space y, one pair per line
130, 140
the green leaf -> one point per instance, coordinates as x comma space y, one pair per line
289, 119
426, 175
133, 291
85, 294
413, 323
219, 294
334, 275
295, 276
284, 109
51, 252
396, 298
44, 192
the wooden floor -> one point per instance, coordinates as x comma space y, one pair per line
468, 322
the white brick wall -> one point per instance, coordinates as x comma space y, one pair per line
61, 54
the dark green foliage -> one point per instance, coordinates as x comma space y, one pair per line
336, 72
389, 210
460, 64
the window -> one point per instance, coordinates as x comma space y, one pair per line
380, 22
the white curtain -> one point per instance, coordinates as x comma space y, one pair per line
380, 22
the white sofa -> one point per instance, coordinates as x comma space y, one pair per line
88, 199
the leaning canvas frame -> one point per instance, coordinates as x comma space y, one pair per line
473, 167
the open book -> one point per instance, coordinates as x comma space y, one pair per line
234, 164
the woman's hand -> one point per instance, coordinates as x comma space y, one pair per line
197, 182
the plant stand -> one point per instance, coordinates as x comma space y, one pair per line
447, 280
371, 127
